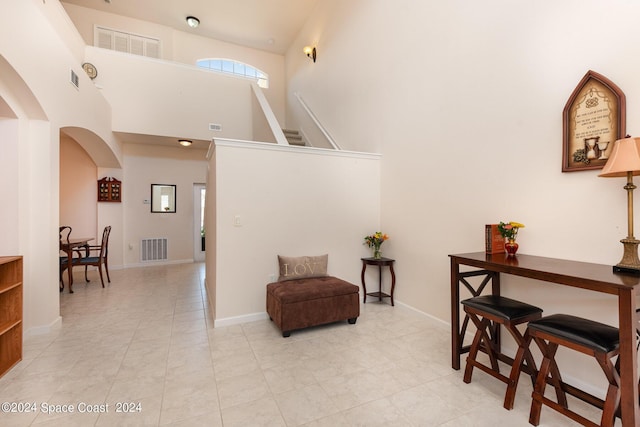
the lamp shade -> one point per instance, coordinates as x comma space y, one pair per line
624, 158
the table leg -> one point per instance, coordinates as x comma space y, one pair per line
495, 290
70, 268
628, 358
393, 282
456, 341
364, 287
379, 283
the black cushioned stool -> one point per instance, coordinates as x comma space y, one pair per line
586, 336
488, 312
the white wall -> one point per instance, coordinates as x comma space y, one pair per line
464, 99
78, 190
145, 165
154, 97
44, 101
467, 113
186, 48
9, 214
292, 202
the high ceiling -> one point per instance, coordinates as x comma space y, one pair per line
269, 25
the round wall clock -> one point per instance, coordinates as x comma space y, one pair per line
90, 69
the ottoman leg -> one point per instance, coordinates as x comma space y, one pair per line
286, 334
352, 321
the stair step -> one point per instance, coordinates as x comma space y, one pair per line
293, 137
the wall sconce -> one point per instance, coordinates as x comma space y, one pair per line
185, 142
310, 52
192, 21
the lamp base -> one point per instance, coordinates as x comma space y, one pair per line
630, 262
626, 270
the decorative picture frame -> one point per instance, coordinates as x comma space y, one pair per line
593, 118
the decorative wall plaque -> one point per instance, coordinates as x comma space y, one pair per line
593, 119
109, 190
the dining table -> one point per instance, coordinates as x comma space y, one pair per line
70, 245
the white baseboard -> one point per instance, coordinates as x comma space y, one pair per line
236, 320
153, 264
45, 329
415, 310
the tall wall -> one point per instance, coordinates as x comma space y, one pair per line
464, 100
186, 48
287, 201
42, 101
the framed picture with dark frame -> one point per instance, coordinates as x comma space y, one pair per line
592, 120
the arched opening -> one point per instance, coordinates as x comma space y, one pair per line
78, 190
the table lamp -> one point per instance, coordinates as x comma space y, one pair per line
625, 161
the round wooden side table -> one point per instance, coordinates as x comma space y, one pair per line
380, 262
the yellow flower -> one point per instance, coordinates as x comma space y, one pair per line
510, 229
376, 239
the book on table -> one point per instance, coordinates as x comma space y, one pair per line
494, 242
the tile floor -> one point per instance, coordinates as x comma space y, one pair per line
147, 344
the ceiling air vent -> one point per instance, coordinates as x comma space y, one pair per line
74, 80
216, 127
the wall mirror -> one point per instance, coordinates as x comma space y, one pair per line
163, 198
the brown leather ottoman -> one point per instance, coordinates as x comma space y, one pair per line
300, 303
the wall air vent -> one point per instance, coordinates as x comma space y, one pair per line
153, 249
122, 41
216, 127
74, 80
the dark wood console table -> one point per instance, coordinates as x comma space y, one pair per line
380, 262
594, 277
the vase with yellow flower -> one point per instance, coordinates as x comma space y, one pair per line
375, 241
509, 231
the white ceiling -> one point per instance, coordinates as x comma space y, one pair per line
269, 25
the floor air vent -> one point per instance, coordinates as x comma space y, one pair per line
153, 249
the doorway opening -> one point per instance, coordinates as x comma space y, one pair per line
199, 232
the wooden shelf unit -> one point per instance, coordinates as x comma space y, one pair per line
10, 312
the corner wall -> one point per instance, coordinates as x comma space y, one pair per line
464, 99
145, 165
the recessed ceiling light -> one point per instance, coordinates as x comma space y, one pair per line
192, 21
185, 142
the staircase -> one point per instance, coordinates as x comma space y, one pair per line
294, 137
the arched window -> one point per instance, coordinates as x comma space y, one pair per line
229, 66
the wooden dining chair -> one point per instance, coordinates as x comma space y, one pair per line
97, 256
65, 232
